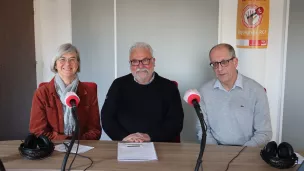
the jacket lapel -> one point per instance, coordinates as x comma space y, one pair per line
82, 93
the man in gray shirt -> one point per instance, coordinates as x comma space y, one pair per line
235, 107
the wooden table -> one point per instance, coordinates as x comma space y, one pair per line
171, 157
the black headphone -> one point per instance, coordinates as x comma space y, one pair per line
281, 157
34, 148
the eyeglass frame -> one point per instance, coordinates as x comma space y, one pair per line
72, 60
141, 61
213, 64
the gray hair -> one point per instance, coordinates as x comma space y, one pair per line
63, 49
225, 45
141, 45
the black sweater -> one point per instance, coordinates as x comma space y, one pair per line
154, 109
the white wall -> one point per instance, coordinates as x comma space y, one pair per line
294, 95
274, 63
93, 34
53, 27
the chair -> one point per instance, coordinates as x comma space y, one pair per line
177, 139
175, 83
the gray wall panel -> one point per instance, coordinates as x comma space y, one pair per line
293, 116
93, 34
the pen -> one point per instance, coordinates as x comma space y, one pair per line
133, 145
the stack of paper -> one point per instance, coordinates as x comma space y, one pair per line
136, 151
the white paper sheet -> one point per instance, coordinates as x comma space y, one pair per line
300, 158
136, 151
81, 148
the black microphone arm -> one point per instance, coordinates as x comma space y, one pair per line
75, 134
204, 129
2, 168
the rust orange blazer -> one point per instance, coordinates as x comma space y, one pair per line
47, 113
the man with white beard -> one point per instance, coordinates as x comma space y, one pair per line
142, 106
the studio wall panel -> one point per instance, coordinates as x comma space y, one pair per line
293, 117
93, 34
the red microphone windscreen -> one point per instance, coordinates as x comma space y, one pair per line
71, 96
191, 95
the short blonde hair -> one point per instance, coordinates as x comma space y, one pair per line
63, 49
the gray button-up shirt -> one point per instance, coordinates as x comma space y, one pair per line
236, 117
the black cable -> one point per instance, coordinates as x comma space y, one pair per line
235, 157
66, 147
76, 151
89, 159
200, 116
2, 168
74, 113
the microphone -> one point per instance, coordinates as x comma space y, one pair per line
72, 101
193, 98
2, 168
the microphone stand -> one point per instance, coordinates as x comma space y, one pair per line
75, 133
204, 127
2, 168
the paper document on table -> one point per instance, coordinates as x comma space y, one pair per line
81, 148
300, 158
136, 151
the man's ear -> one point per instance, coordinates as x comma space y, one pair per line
235, 62
153, 60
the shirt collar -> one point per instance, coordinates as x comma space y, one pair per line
238, 83
153, 75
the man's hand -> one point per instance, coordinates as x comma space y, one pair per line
137, 137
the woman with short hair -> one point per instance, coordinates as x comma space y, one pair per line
50, 116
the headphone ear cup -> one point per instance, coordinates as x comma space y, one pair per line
271, 149
285, 150
46, 147
43, 142
286, 157
30, 142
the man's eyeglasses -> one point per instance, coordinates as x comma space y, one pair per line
63, 60
145, 61
223, 63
